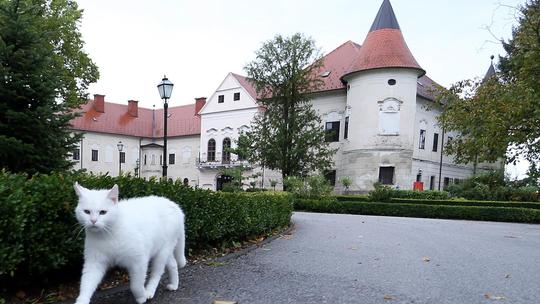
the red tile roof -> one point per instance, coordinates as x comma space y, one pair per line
384, 48
248, 85
149, 123
336, 64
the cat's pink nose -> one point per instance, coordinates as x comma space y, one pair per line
93, 221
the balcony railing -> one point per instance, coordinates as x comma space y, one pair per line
200, 163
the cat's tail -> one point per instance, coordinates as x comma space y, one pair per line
179, 250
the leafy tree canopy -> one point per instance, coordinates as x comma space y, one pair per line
44, 74
288, 134
500, 116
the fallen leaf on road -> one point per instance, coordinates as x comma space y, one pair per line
426, 259
507, 276
286, 236
492, 297
215, 263
388, 298
353, 248
224, 302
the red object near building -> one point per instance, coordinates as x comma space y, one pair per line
418, 186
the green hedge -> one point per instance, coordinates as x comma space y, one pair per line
426, 194
39, 232
466, 203
352, 198
499, 214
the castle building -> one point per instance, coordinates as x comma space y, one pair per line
373, 104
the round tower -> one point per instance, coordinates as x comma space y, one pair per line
381, 106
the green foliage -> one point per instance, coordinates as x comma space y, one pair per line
39, 233
288, 135
494, 114
426, 194
346, 181
381, 193
352, 198
312, 186
494, 186
463, 202
45, 73
498, 214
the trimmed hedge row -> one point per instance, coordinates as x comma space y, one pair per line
352, 198
466, 203
498, 214
39, 232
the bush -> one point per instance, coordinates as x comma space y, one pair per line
381, 193
39, 232
426, 194
502, 214
310, 187
466, 203
352, 198
494, 186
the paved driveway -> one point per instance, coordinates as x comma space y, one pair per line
368, 259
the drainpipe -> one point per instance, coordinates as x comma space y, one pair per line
441, 160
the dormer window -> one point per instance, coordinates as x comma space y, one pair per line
325, 74
236, 96
221, 99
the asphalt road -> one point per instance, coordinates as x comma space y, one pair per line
332, 258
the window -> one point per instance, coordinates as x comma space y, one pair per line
435, 142
386, 175
446, 183
226, 154
391, 82
76, 154
432, 182
172, 158
422, 142
161, 160
236, 96
330, 176
389, 117
332, 131
186, 181
122, 157
145, 159
221, 99
94, 155
153, 159
346, 131
211, 150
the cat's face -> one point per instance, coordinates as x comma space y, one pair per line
97, 209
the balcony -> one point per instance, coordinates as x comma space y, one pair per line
202, 164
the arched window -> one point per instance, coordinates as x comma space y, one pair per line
211, 150
226, 155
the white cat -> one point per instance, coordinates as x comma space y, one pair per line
129, 233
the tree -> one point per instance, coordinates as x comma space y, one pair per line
500, 116
288, 134
44, 73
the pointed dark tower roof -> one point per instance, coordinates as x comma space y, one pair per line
491, 71
384, 46
385, 18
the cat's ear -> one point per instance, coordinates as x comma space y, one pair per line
78, 189
113, 194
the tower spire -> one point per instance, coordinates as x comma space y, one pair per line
385, 18
384, 46
491, 71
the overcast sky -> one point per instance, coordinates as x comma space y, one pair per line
196, 43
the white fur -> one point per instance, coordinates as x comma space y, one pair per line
130, 234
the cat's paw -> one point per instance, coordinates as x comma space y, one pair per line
182, 262
172, 287
141, 300
149, 294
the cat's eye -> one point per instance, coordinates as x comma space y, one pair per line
102, 212
87, 211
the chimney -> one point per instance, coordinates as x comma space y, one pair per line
99, 103
133, 108
199, 103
